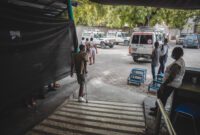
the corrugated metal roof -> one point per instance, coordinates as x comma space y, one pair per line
175, 4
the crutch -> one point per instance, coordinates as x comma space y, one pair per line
86, 88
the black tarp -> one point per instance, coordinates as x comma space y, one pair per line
34, 50
175, 4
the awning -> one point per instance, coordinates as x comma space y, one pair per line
175, 4
46, 7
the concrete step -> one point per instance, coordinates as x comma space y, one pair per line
103, 114
111, 103
95, 118
138, 109
106, 110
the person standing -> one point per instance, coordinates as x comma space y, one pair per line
86, 42
93, 51
172, 79
163, 56
88, 51
155, 60
80, 64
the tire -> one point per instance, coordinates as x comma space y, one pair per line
103, 46
135, 58
111, 46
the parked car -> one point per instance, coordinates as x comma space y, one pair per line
142, 42
179, 40
98, 38
119, 36
192, 40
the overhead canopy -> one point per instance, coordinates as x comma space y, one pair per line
46, 7
175, 4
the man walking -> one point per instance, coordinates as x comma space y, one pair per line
80, 64
163, 56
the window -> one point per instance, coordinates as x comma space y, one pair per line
119, 35
124, 34
146, 39
86, 34
142, 39
96, 36
135, 39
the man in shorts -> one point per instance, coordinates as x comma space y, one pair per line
80, 63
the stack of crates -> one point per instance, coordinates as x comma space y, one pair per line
155, 85
137, 76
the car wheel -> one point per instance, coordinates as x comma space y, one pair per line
111, 46
135, 58
103, 46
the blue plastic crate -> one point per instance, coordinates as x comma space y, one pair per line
155, 85
137, 76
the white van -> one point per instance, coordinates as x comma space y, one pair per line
98, 38
142, 43
119, 36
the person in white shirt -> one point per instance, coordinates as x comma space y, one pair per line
93, 52
163, 56
173, 77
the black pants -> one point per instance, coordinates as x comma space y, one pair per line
164, 93
153, 71
163, 61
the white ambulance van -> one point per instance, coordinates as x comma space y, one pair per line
142, 42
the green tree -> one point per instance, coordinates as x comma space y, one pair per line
92, 14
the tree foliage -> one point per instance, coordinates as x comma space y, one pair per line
92, 14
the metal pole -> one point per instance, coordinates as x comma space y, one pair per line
166, 119
71, 18
70, 10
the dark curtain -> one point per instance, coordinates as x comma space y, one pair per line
35, 50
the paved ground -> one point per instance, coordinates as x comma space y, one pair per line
107, 81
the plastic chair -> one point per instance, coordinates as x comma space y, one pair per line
191, 112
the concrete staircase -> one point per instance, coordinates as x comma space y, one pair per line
93, 118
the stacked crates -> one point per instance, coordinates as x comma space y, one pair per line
137, 76
155, 85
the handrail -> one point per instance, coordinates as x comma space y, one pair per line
167, 121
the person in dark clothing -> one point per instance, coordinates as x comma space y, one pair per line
80, 64
155, 60
173, 77
163, 56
